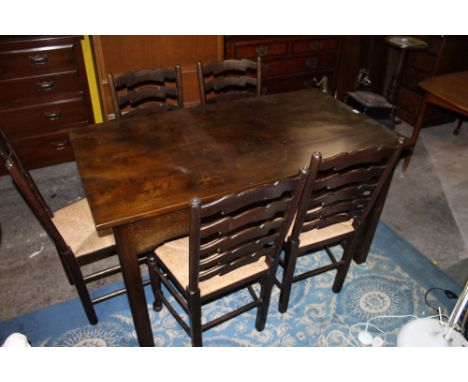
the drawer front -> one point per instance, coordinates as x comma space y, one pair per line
38, 60
299, 65
264, 49
45, 118
411, 78
422, 61
33, 89
291, 83
315, 45
44, 150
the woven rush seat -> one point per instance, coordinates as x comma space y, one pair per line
175, 256
318, 235
75, 223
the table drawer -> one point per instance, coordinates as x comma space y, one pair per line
299, 65
33, 89
314, 45
44, 150
37, 60
45, 118
264, 49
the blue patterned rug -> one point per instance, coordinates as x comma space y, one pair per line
392, 282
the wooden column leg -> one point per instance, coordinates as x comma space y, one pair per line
133, 283
288, 274
416, 130
194, 311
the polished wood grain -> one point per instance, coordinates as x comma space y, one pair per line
139, 174
131, 168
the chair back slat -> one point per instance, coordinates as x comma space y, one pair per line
229, 66
327, 197
131, 80
136, 97
226, 242
225, 259
241, 228
222, 84
356, 176
258, 214
29, 191
132, 90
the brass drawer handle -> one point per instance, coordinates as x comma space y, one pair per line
52, 116
312, 63
60, 145
38, 59
262, 50
316, 45
45, 86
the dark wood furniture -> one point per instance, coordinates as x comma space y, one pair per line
146, 91
445, 54
228, 80
339, 194
43, 92
119, 54
138, 173
234, 242
289, 62
449, 91
70, 228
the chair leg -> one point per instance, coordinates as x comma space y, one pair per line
342, 270
66, 268
81, 288
194, 311
288, 274
265, 295
155, 282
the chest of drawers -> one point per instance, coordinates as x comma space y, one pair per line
289, 62
43, 93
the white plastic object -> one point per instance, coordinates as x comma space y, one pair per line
16, 340
365, 337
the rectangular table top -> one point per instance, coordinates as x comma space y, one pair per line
147, 166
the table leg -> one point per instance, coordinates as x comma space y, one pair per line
133, 284
416, 130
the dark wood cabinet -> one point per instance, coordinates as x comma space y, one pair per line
289, 62
43, 93
445, 54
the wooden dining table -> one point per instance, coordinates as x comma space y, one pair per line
138, 174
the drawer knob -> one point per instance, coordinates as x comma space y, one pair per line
316, 45
45, 86
38, 59
60, 145
312, 63
262, 50
52, 116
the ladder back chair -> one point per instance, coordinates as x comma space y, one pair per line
146, 91
233, 243
229, 80
70, 228
339, 194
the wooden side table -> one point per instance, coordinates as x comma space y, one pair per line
449, 91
